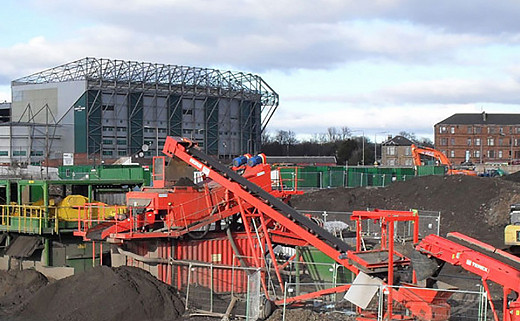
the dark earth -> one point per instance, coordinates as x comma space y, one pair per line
475, 206
101, 293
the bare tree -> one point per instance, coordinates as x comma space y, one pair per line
333, 134
410, 136
286, 137
266, 137
345, 132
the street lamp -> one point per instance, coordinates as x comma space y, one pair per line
362, 144
375, 144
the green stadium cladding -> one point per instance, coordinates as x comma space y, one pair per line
110, 108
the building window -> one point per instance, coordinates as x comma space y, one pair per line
452, 153
108, 141
442, 129
491, 142
121, 152
408, 162
470, 130
452, 141
121, 129
500, 142
121, 142
108, 128
499, 154
491, 130
501, 130
408, 150
391, 162
444, 141
19, 153
452, 129
476, 154
37, 153
108, 152
4, 153
477, 141
491, 154
390, 150
478, 130
469, 142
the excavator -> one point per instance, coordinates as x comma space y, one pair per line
441, 158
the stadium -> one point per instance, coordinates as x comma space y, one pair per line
102, 109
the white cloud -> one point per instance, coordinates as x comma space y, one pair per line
458, 60
372, 120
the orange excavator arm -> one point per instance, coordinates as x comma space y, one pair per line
418, 151
443, 160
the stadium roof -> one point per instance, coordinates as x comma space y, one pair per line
150, 76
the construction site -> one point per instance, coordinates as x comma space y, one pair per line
209, 230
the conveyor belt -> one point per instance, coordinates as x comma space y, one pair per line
487, 250
272, 201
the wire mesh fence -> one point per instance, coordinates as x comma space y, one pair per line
308, 180
429, 223
239, 292
405, 302
216, 290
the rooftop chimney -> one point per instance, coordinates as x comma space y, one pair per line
484, 116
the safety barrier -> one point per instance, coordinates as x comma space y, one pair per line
29, 219
439, 304
305, 180
205, 295
429, 223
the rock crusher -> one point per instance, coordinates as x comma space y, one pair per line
243, 196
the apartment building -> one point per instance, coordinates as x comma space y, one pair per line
479, 138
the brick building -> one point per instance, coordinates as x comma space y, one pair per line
479, 138
397, 151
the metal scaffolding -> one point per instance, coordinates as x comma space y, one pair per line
169, 79
138, 98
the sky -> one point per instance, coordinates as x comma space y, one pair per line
378, 67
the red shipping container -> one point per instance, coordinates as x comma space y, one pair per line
217, 251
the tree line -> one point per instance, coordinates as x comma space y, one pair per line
349, 149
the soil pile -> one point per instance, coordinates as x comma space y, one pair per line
309, 315
515, 177
16, 287
104, 293
476, 206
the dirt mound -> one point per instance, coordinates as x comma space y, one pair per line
476, 206
309, 315
104, 293
515, 177
16, 287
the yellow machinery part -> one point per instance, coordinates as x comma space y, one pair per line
512, 235
67, 209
